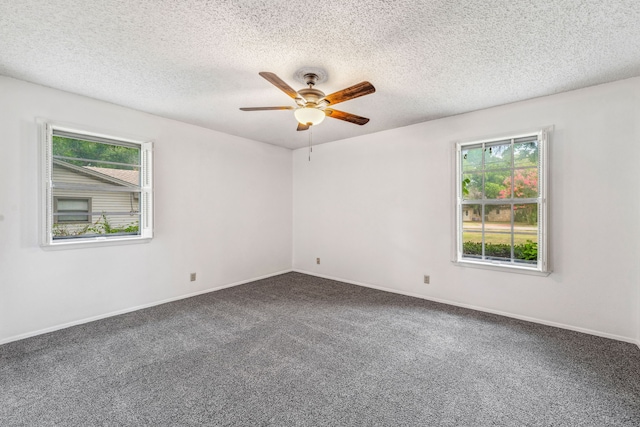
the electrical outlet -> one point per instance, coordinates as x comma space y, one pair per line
317, 260
426, 279
193, 277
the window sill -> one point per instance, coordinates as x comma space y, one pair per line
95, 242
502, 267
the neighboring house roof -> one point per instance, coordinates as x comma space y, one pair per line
125, 178
131, 176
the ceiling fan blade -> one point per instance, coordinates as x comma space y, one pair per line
355, 91
302, 127
347, 117
279, 83
266, 108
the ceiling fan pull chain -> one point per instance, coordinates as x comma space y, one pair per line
309, 144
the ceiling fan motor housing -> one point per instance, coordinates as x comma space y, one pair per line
311, 96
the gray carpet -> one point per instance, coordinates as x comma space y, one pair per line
296, 350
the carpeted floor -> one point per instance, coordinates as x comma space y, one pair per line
296, 350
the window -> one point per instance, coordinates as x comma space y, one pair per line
71, 210
96, 188
501, 203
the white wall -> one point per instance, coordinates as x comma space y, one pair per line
236, 194
378, 210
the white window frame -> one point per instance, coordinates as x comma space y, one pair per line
542, 267
145, 189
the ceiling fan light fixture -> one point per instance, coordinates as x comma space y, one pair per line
312, 103
309, 115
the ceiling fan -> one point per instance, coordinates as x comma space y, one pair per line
312, 104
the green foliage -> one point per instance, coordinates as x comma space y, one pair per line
496, 174
529, 250
98, 152
526, 213
105, 227
101, 226
465, 186
526, 154
65, 230
492, 189
526, 251
472, 159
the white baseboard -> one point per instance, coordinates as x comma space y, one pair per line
130, 309
473, 307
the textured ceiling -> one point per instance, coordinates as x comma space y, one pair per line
198, 61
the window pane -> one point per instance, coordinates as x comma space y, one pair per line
115, 174
497, 156
526, 217
525, 248
86, 162
525, 183
497, 185
472, 230
471, 217
111, 224
471, 159
100, 152
497, 250
497, 233
526, 233
525, 154
472, 186
497, 218
107, 225
73, 205
95, 173
111, 212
